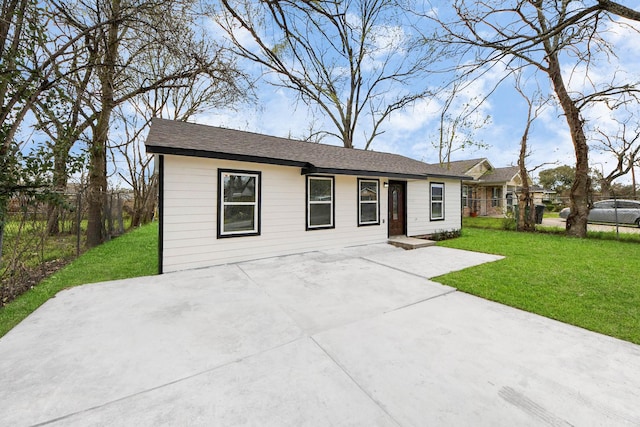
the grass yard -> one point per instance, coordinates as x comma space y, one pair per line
488, 222
130, 255
591, 283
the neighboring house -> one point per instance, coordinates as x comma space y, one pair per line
543, 196
491, 191
229, 196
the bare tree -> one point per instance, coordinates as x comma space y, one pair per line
535, 105
139, 173
200, 94
619, 9
544, 35
64, 120
625, 148
118, 53
354, 60
459, 119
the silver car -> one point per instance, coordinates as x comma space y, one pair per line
627, 212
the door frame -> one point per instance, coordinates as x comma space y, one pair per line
404, 206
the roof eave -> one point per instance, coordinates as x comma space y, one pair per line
155, 149
445, 176
311, 170
306, 168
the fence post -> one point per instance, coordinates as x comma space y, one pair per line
78, 221
108, 213
615, 208
4, 204
1, 235
119, 215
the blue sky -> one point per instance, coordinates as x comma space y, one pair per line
411, 132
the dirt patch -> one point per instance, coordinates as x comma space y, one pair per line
24, 279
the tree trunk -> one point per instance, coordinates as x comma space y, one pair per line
151, 200
97, 193
580, 190
59, 185
97, 197
525, 222
4, 203
605, 188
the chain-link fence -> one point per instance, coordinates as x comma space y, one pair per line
40, 234
499, 206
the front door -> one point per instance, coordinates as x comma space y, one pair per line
396, 208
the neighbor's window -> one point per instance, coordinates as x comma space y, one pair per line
320, 208
368, 202
437, 201
465, 196
239, 203
510, 199
496, 196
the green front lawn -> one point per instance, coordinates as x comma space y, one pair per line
130, 255
591, 283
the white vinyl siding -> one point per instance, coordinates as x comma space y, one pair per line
190, 219
418, 208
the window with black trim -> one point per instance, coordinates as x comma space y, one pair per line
320, 205
437, 201
238, 203
368, 202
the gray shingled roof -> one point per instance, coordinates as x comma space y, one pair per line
462, 166
500, 174
180, 138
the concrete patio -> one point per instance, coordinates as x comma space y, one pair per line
352, 337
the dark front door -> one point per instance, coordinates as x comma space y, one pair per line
396, 208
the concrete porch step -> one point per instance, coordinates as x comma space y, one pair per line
405, 242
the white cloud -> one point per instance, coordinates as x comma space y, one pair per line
413, 117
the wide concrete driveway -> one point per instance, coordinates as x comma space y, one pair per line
353, 337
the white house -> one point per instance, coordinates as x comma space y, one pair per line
228, 196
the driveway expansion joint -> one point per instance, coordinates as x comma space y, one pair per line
444, 294
356, 383
167, 384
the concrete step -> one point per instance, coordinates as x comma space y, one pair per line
405, 242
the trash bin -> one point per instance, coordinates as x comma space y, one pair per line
539, 213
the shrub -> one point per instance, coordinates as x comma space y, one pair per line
440, 235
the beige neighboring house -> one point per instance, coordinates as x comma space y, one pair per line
492, 191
